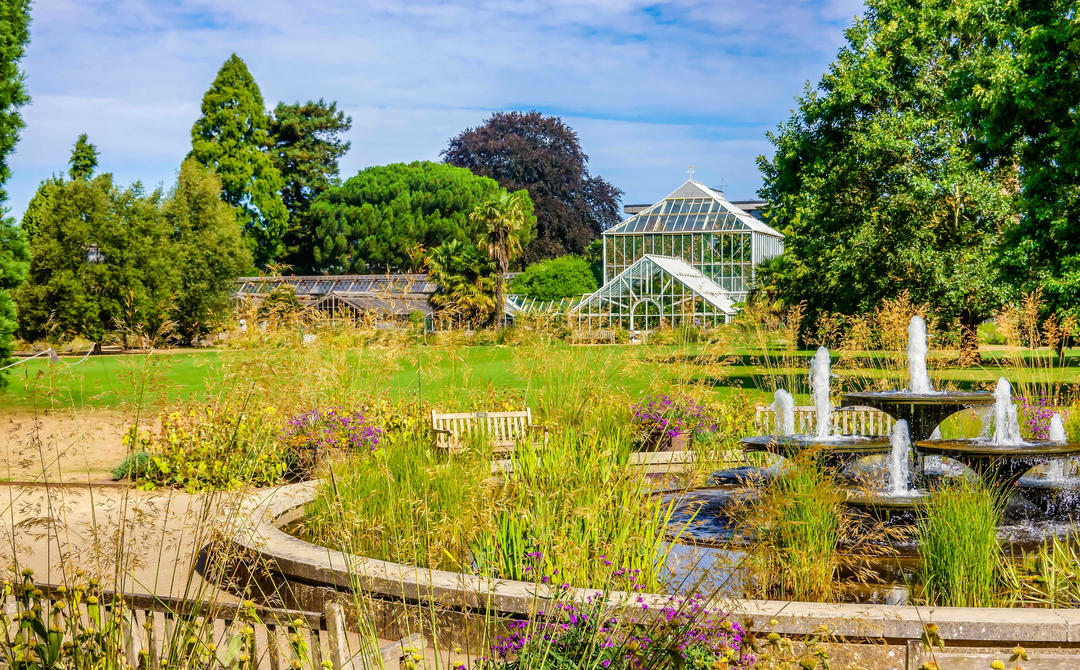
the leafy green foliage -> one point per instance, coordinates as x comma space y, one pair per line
231, 138
877, 182
214, 446
1021, 93
207, 246
376, 220
555, 278
99, 263
84, 159
306, 148
465, 280
542, 155
14, 34
107, 259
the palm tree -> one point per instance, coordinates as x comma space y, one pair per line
503, 219
463, 277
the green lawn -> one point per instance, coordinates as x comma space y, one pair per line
444, 375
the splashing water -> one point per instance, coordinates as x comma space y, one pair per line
899, 468
784, 408
916, 355
819, 385
1056, 432
1006, 423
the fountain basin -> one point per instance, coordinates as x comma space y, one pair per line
835, 452
999, 464
922, 411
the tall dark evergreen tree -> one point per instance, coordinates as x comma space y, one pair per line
541, 154
14, 35
306, 146
231, 138
84, 159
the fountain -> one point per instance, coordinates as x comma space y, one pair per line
832, 451
1004, 457
921, 407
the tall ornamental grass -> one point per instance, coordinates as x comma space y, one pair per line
570, 512
797, 526
958, 546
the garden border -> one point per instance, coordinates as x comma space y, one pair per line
894, 630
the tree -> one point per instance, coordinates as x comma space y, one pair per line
464, 280
84, 159
306, 146
503, 220
14, 34
231, 138
542, 155
375, 220
208, 249
100, 263
877, 183
1020, 95
555, 279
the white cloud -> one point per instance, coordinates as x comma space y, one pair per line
651, 87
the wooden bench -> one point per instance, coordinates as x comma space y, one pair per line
857, 420
606, 335
502, 429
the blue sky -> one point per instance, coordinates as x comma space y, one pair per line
650, 87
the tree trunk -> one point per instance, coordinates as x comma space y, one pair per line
500, 304
969, 340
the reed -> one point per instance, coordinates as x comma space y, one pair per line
960, 558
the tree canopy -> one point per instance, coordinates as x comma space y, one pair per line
231, 138
555, 279
876, 181
1020, 93
14, 35
208, 248
307, 146
98, 264
542, 155
379, 219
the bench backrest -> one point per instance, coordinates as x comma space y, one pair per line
502, 429
857, 420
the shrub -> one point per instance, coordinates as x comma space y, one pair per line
555, 279
215, 446
673, 415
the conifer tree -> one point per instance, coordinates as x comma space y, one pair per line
84, 159
231, 138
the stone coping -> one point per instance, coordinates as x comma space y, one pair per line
299, 560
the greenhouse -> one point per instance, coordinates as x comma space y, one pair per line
687, 258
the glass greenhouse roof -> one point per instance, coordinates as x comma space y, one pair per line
691, 208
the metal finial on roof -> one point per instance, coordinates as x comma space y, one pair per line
690, 172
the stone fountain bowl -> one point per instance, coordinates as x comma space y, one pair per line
1034, 449
790, 446
934, 398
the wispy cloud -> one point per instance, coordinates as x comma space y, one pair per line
651, 86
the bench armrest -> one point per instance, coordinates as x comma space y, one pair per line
441, 431
537, 427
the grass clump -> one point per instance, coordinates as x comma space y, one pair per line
958, 546
799, 526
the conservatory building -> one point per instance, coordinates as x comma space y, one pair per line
686, 259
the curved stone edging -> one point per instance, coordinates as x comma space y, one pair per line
297, 559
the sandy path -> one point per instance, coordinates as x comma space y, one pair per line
65, 445
138, 540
